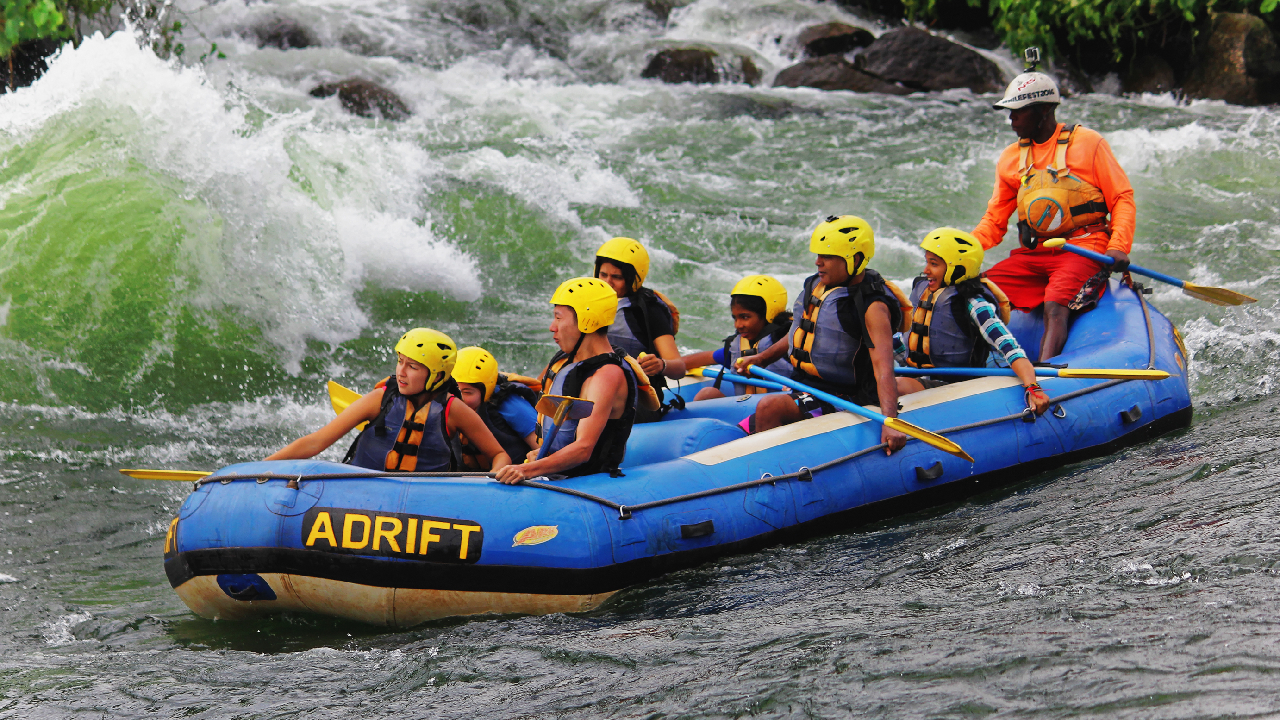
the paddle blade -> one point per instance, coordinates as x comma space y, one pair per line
923, 435
1216, 295
179, 475
1112, 374
552, 405
341, 398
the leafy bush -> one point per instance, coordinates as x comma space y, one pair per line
28, 20
1121, 26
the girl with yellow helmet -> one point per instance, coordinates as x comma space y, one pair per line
505, 406
758, 306
958, 317
413, 416
646, 322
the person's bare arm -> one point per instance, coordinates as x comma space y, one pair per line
308, 446
668, 361
698, 359
1038, 401
463, 418
881, 333
601, 388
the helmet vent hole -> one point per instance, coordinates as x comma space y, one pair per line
442, 346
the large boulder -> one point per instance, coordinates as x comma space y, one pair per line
1149, 74
282, 33
1237, 61
833, 72
365, 98
683, 65
833, 38
924, 61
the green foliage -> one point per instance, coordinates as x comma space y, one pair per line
28, 20
1120, 24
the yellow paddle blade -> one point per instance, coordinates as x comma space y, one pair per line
179, 475
1113, 374
1216, 295
340, 398
923, 435
563, 407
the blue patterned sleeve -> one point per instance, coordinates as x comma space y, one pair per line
993, 331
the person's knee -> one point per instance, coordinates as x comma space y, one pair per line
906, 386
709, 393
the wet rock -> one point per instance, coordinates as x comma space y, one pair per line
923, 61
661, 9
683, 65
365, 98
833, 72
833, 38
284, 34
1071, 81
750, 73
1238, 61
1149, 74
29, 63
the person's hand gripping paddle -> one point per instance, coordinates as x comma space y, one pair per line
560, 408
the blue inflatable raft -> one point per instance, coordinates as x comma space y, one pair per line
305, 536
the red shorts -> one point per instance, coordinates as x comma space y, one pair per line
1032, 277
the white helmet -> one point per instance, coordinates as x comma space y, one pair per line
1030, 88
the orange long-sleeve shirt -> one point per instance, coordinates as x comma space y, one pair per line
1090, 158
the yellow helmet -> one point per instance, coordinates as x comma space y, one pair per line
594, 302
477, 365
630, 252
959, 250
434, 350
845, 237
766, 288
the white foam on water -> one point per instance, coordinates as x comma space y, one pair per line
7, 578
1141, 150
58, 632
287, 258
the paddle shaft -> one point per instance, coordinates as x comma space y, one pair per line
1106, 260
826, 397
741, 380
557, 420
1125, 374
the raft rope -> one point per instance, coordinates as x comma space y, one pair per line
804, 474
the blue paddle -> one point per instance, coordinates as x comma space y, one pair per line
1215, 295
1123, 374
735, 378
900, 425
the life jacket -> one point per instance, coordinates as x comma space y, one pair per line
1052, 201
469, 455
567, 380
630, 330
943, 333
771, 334
829, 340
399, 442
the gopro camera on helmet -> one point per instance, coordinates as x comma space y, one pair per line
1031, 57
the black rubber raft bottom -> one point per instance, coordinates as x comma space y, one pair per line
572, 581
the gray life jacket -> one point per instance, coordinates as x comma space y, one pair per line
943, 333
611, 446
630, 328
736, 346
388, 441
829, 341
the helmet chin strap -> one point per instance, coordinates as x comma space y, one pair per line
574, 352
